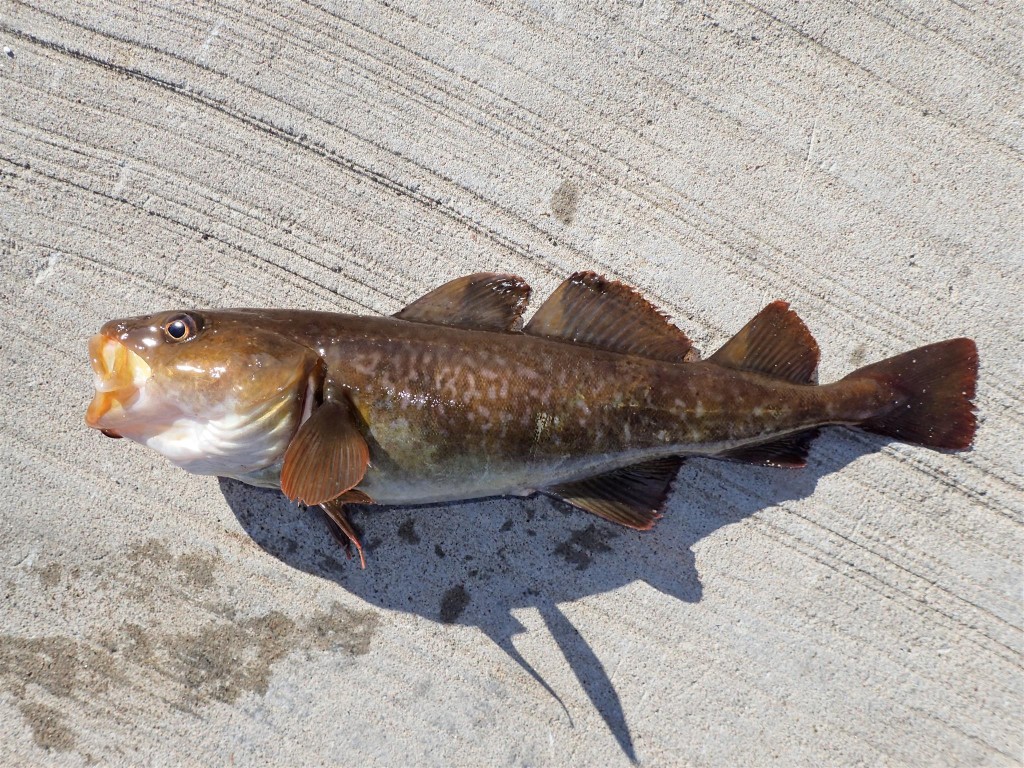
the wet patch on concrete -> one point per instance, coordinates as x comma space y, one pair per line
407, 531
150, 554
564, 202
859, 355
48, 728
225, 659
579, 549
453, 604
146, 565
196, 570
210, 653
50, 575
56, 668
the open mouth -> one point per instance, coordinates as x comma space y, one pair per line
119, 375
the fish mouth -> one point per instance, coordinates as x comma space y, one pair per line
119, 375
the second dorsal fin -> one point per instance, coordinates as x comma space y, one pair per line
485, 301
590, 309
776, 343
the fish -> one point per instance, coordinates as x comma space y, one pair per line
596, 401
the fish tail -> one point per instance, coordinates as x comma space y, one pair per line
932, 392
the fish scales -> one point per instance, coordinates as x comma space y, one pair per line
595, 400
454, 411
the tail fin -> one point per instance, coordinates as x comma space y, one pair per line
936, 386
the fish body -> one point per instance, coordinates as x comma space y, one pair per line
457, 414
595, 401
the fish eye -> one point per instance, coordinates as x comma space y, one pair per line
180, 328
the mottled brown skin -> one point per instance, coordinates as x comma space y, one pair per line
594, 401
453, 414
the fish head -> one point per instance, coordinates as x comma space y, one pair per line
214, 392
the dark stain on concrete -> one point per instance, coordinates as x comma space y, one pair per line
146, 565
63, 669
132, 643
197, 570
224, 660
151, 554
859, 355
453, 604
564, 201
220, 661
211, 652
341, 629
407, 531
579, 549
50, 575
48, 728
59, 665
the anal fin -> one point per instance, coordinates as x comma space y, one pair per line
632, 496
789, 451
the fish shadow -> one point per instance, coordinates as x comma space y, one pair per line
475, 563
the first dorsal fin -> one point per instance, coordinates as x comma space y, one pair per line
776, 343
590, 309
485, 301
632, 496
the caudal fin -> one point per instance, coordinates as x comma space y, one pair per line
935, 388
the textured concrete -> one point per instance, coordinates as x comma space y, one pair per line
861, 160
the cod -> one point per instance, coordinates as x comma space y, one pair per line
596, 401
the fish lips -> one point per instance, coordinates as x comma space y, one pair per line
119, 375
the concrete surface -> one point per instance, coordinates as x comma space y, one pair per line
862, 161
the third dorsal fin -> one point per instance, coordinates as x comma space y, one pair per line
592, 310
485, 301
776, 343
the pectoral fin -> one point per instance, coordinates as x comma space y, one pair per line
327, 457
633, 496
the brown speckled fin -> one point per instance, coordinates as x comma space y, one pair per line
592, 310
484, 301
633, 496
789, 451
933, 395
341, 527
327, 456
776, 343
